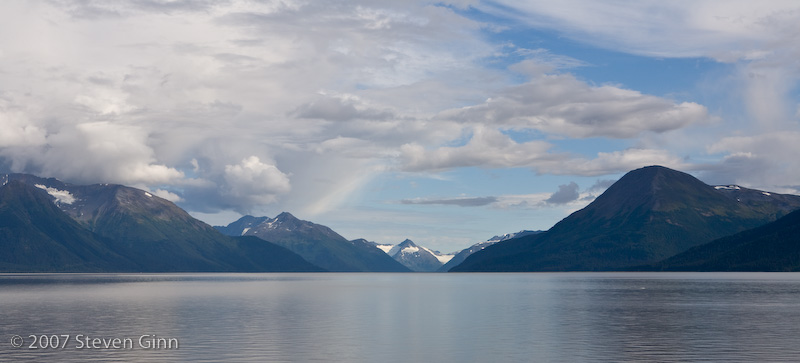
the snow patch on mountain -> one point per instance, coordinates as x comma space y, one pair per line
441, 257
62, 196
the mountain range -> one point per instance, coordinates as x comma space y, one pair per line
316, 243
47, 225
653, 218
648, 215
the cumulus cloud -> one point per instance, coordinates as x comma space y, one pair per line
487, 147
178, 103
561, 104
253, 182
566, 193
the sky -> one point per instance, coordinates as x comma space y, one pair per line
445, 122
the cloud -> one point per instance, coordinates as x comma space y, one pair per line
561, 104
336, 109
487, 147
253, 182
490, 148
172, 197
18, 130
739, 30
755, 160
601, 185
94, 151
461, 201
566, 193
290, 105
759, 39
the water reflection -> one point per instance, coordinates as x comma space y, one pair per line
409, 317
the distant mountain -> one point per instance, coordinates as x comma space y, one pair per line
648, 215
381, 246
416, 258
241, 226
316, 243
148, 233
771, 247
463, 254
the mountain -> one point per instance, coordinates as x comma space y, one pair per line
241, 226
36, 236
416, 258
316, 243
462, 255
772, 247
381, 246
148, 233
648, 215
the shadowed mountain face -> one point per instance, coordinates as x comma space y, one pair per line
463, 254
148, 233
771, 247
648, 215
316, 243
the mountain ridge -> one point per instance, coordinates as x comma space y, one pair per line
316, 243
149, 233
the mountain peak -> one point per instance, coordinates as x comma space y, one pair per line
407, 243
286, 216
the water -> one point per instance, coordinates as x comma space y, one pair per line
558, 317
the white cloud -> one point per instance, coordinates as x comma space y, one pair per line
563, 105
17, 128
489, 148
615, 162
170, 196
757, 161
738, 29
253, 182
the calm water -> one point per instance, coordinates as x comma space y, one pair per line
569, 317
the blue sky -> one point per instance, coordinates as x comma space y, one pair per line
443, 122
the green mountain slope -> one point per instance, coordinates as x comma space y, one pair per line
771, 247
648, 215
35, 236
